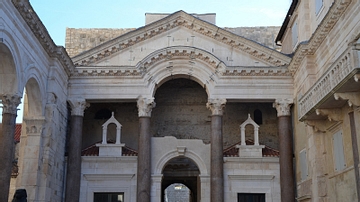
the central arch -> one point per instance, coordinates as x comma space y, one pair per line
181, 171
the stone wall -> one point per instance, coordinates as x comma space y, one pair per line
80, 40
263, 35
177, 193
181, 112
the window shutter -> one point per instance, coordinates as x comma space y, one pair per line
339, 158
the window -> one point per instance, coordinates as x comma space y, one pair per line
258, 117
318, 6
303, 165
251, 197
339, 159
295, 33
108, 197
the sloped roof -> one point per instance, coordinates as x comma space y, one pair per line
93, 150
17, 133
182, 19
267, 151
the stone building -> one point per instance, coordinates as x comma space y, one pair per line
183, 102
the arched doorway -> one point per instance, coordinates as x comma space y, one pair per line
180, 171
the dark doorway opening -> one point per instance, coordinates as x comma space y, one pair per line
181, 172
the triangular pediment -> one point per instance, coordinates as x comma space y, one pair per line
180, 29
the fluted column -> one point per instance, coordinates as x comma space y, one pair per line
145, 106
10, 104
73, 175
286, 149
217, 160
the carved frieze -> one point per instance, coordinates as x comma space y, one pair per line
332, 79
145, 106
216, 106
10, 103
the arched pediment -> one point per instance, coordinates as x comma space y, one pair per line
181, 62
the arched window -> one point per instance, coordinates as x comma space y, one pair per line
258, 116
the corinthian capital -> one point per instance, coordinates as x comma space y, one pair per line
78, 105
10, 103
145, 106
283, 106
216, 106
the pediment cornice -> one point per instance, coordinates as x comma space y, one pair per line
182, 19
188, 54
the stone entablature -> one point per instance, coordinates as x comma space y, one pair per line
185, 20
322, 31
344, 68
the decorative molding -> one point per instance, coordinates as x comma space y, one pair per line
34, 126
216, 106
320, 126
251, 177
332, 114
283, 106
10, 103
353, 98
39, 30
342, 69
257, 71
109, 177
185, 20
145, 106
78, 105
326, 25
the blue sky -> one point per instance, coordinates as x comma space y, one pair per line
59, 14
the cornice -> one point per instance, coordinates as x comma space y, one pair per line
310, 47
182, 19
185, 53
39, 30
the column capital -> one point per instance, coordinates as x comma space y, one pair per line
78, 105
145, 106
283, 106
216, 105
10, 103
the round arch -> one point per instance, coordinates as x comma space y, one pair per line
160, 165
181, 62
8, 73
33, 101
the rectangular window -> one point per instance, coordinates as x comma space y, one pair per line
339, 158
303, 165
295, 33
108, 197
318, 6
251, 197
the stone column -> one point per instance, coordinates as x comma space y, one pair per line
73, 174
10, 104
145, 106
217, 159
286, 149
